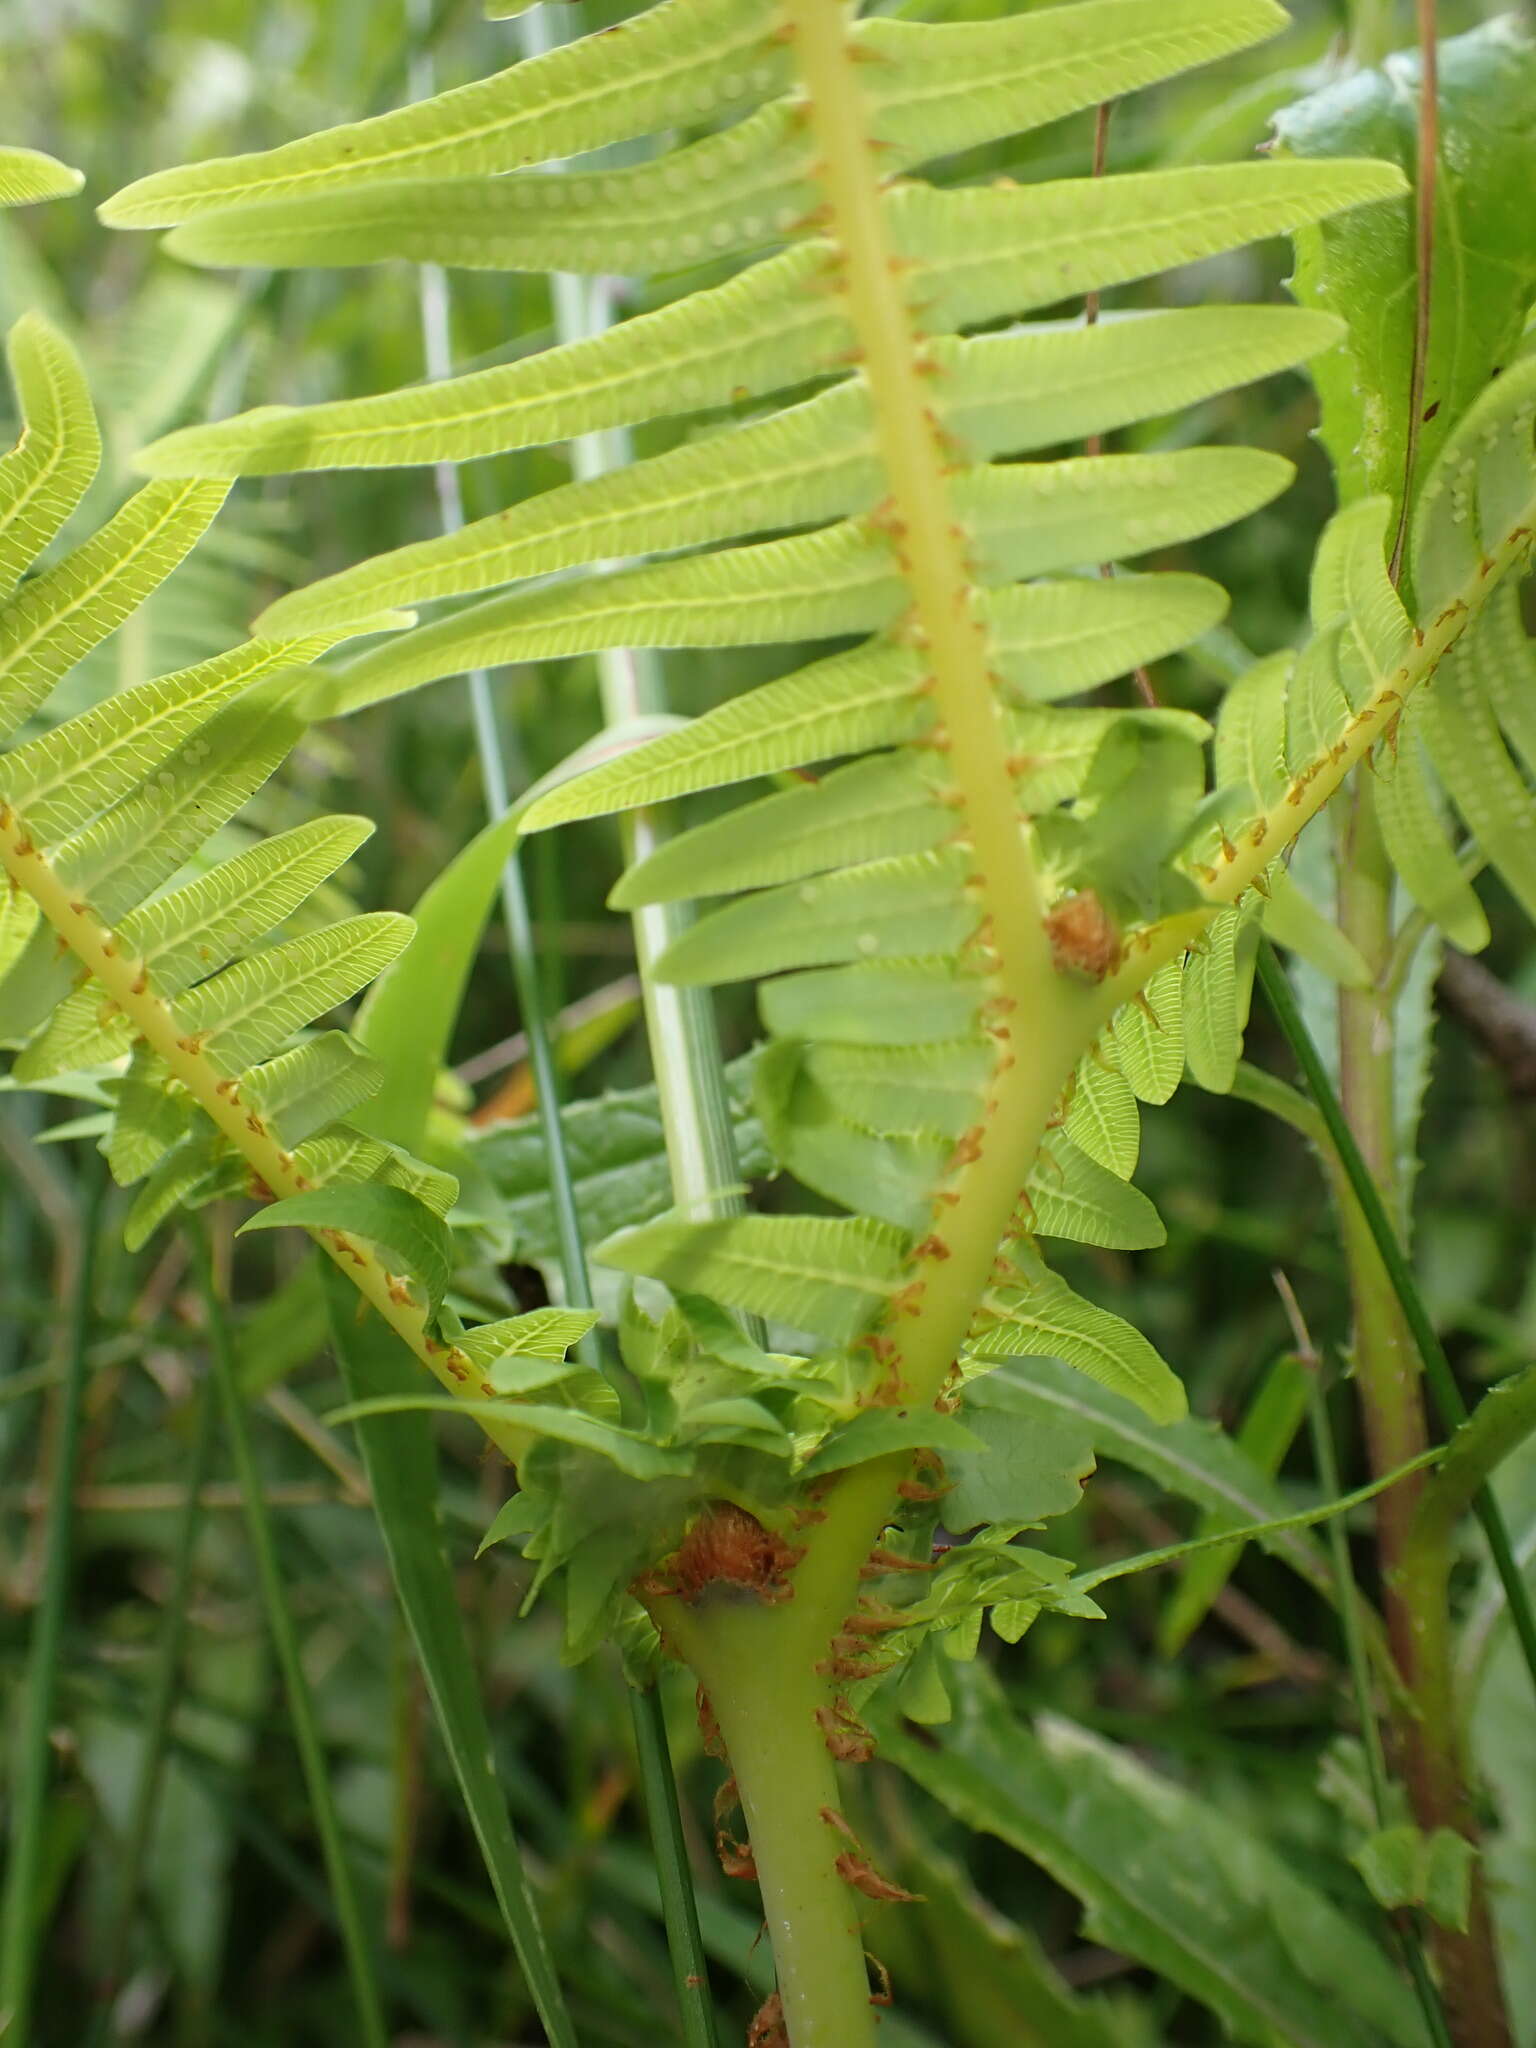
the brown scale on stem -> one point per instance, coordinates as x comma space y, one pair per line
725, 1546
768, 2029
848, 1740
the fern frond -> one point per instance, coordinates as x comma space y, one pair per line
102, 965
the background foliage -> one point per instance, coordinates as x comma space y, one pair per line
233, 1936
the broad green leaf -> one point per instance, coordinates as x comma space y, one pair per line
616, 1147
1149, 1036
407, 1018
66, 777
846, 704
387, 1217
879, 1002
671, 65
1049, 640
1039, 1318
924, 1086
935, 90
1071, 1195
1102, 1118
1186, 1458
1026, 519
47, 473
503, 1354
1403, 1866
829, 1274
758, 332
873, 809
1052, 383
1165, 1877
878, 1432
886, 909
1361, 265
312, 1084
27, 175
1024, 1471
985, 251
890, 1176
844, 579
250, 1009
403, 1483
64, 612
727, 193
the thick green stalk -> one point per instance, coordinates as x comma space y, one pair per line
757, 1665
32, 1777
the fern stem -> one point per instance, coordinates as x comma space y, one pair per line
32, 1776
285, 1643
757, 1667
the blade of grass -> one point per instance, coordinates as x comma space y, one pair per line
401, 1461
164, 1690
32, 1776
1437, 1367
680, 1913
361, 1967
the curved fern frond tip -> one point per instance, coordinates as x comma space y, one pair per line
125, 953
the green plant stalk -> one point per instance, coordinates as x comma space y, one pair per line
32, 1777
1409, 1930
1385, 1359
1389, 1318
162, 1700
1448, 1402
301, 1712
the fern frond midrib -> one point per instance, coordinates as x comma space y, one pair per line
1243, 860
991, 1165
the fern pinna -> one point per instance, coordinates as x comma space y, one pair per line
986, 920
